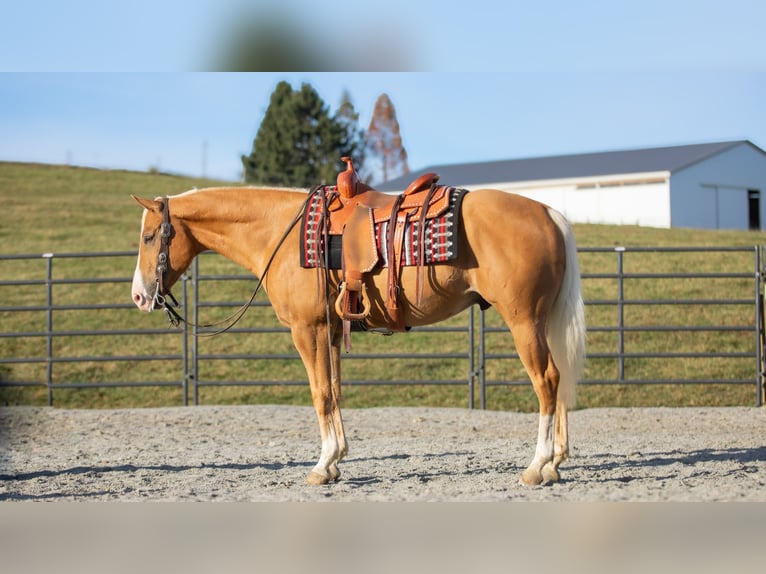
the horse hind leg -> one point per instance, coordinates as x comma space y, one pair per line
550, 471
536, 356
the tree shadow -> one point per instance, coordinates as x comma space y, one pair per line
159, 467
122, 468
51, 496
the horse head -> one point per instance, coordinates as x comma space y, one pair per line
165, 251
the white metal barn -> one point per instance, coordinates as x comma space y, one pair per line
708, 186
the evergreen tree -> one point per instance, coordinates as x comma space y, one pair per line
386, 156
298, 143
270, 147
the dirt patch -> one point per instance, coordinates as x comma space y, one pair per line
263, 453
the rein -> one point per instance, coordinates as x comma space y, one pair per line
161, 295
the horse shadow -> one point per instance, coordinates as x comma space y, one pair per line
421, 470
745, 458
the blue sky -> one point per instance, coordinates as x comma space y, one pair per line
139, 121
481, 35
517, 80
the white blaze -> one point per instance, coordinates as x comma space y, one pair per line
141, 296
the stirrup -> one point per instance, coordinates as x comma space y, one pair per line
348, 315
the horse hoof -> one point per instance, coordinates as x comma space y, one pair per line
550, 473
531, 477
316, 479
334, 472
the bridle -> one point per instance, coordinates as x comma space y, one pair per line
161, 295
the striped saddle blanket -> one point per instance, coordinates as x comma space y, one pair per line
440, 236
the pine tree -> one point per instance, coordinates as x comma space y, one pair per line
386, 156
298, 143
269, 148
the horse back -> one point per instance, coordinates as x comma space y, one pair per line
512, 223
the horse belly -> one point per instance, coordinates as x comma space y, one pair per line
445, 293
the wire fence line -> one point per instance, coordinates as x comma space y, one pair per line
66, 321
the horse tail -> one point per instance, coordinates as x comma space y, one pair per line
566, 326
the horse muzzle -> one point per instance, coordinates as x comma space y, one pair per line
140, 294
143, 302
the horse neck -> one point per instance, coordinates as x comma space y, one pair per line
241, 223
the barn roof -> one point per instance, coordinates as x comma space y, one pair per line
670, 159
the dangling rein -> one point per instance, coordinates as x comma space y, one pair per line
160, 299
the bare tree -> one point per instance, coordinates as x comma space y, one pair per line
386, 157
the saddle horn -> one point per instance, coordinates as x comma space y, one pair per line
348, 181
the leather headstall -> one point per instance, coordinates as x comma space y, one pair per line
161, 295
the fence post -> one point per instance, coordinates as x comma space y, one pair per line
194, 375
620, 313
482, 362
49, 325
470, 358
760, 290
185, 342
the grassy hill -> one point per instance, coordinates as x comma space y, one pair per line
64, 209
51, 208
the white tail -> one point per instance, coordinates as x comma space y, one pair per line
566, 326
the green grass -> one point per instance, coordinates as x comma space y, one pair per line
65, 209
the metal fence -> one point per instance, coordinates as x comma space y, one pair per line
66, 322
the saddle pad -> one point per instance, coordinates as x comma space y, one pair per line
440, 236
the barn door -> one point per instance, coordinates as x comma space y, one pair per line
754, 209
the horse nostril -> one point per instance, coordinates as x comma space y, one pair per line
138, 299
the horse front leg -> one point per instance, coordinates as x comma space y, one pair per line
322, 362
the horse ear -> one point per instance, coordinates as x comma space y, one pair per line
149, 204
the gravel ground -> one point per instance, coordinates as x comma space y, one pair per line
263, 453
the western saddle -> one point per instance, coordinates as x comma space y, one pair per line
353, 213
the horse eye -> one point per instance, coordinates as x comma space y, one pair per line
149, 237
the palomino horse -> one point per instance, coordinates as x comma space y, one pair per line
513, 253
